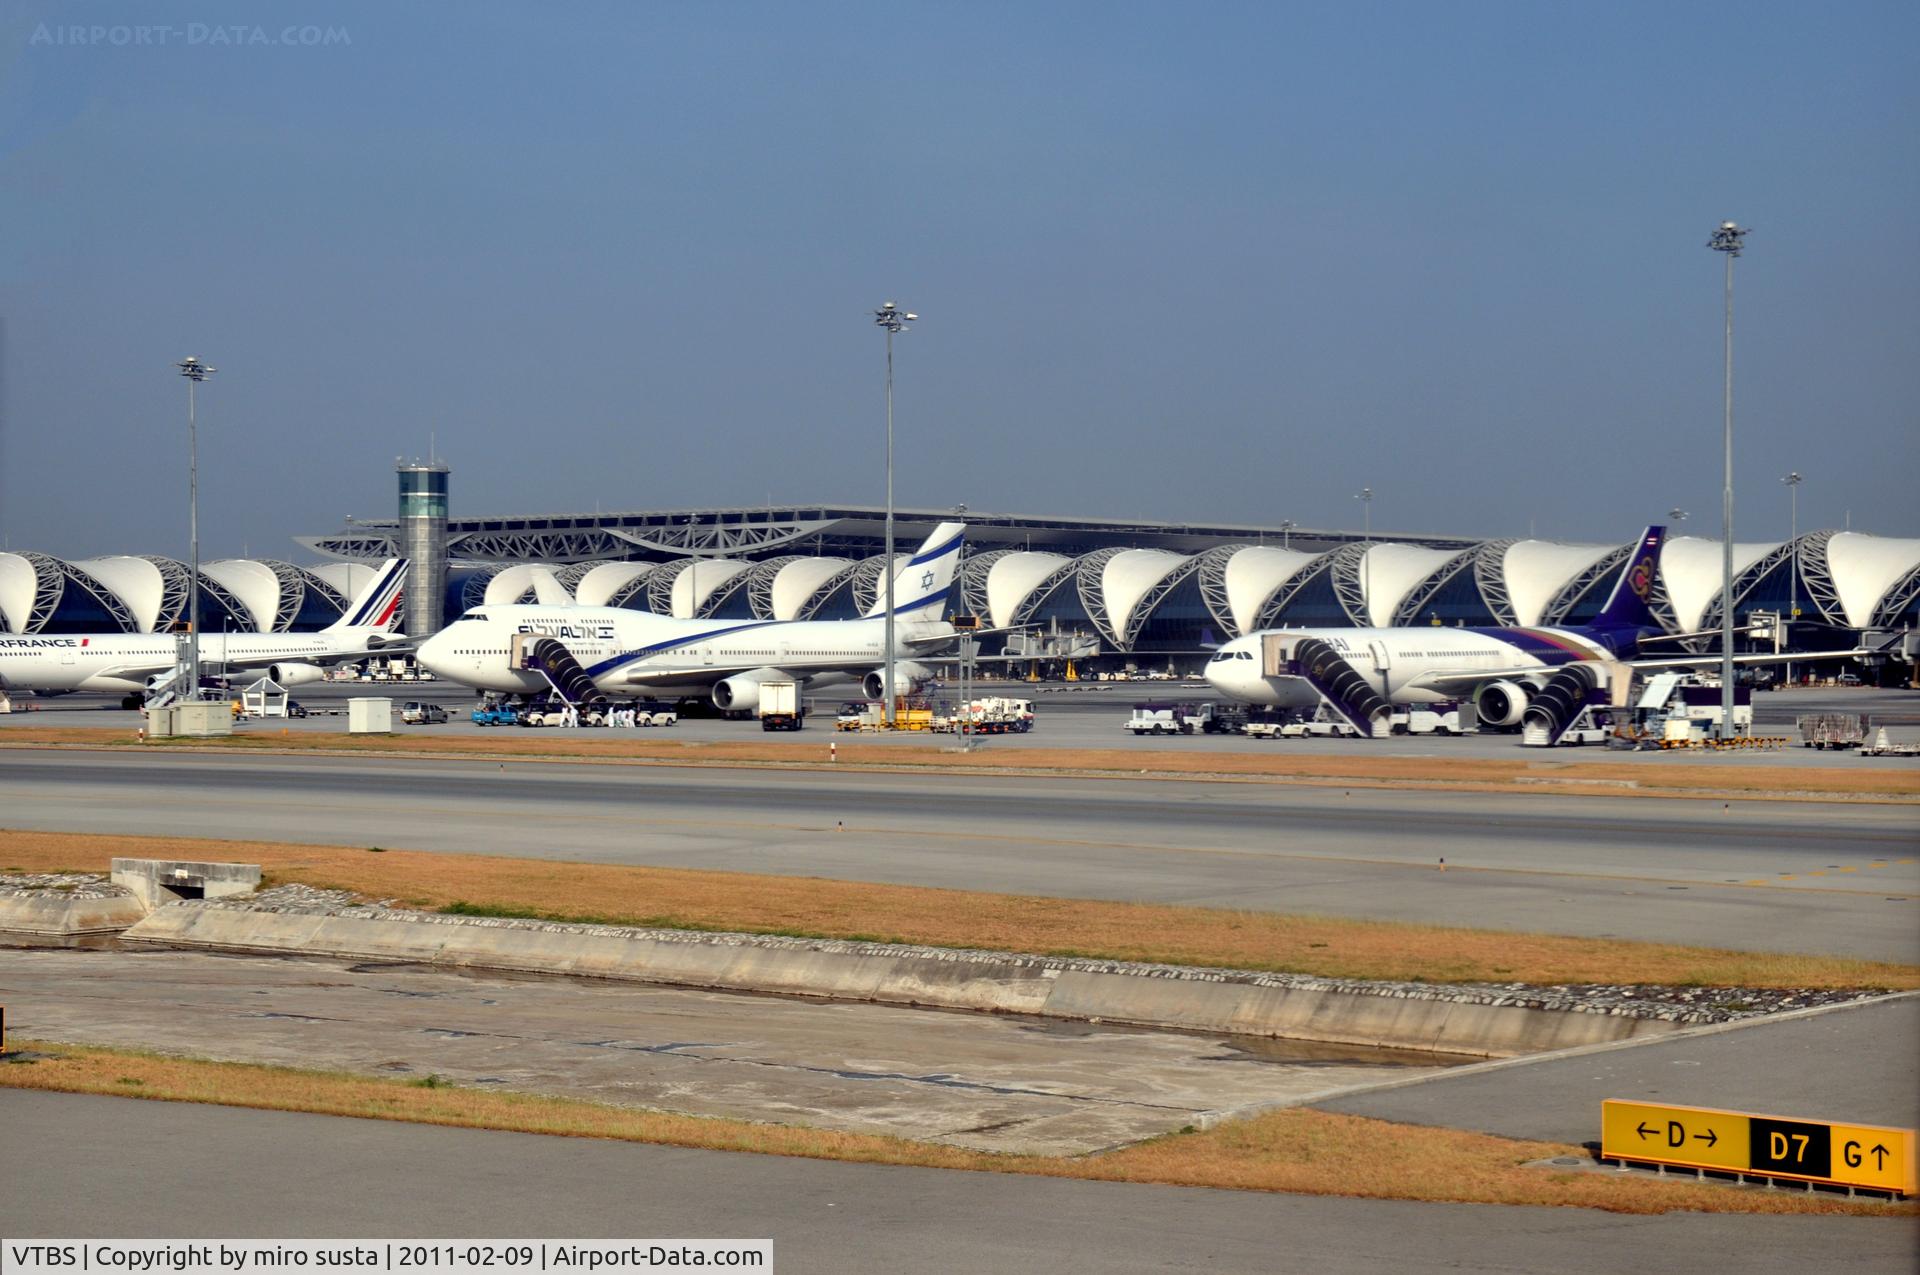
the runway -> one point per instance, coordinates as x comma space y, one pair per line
1779, 876
131, 1168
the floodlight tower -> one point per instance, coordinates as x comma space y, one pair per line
195, 371
1726, 240
1366, 559
891, 319
1286, 532
1792, 483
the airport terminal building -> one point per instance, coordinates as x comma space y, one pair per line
1150, 591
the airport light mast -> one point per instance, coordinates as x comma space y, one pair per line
1792, 482
1286, 532
195, 371
1366, 558
1726, 240
892, 319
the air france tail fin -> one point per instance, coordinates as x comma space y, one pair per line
921, 588
374, 606
1627, 606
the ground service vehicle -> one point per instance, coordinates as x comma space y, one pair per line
780, 707
495, 715
1165, 719
418, 713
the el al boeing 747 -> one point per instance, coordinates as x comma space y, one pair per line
131, 662
1510, 674
591, 652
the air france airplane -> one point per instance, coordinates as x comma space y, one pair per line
1511, 674
130, 662
598, 651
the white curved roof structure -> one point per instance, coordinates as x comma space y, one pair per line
135, 581
511, 585
1013, 577
1127, 578
1389, 572
19, 583
255, 584
1864, 567
601, 583
795, 584
1254, 575
709, 574
1536, 571
347, 578
1690, 567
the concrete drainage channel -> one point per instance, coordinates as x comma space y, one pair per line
148, 908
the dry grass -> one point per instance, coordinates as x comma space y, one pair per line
1297, 1151
1666, 777
686, 899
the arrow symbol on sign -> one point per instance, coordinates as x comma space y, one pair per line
1643, 1131
1880, 1155
1709, 1137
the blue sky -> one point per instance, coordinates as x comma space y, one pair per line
1215, 262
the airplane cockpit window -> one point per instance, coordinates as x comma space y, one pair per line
1220, 655
1246, 655
475, 615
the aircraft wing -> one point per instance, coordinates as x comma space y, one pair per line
712, 673
323, 659
1712, 661
1467, 679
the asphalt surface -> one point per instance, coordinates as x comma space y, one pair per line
1775, 876
130, 1168
1087, 715
1853, 1064
1002, 1083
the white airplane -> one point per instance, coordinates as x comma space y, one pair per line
1513, 675
587, 653
135, 662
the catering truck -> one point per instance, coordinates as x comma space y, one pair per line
780, 705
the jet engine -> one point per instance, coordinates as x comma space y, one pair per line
295, 674
1501, 704
741, 692
908, 677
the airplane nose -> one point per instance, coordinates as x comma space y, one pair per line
432, 652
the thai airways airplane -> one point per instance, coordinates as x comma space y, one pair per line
131, 662
591, 652
1512, 675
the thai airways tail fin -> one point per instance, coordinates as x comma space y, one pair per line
373, 607
1628, 605
922, 585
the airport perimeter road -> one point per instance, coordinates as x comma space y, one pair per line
1781, 876
129, 1168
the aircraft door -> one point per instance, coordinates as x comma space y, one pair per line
1382, 663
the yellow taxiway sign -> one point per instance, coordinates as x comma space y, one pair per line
1870, 1156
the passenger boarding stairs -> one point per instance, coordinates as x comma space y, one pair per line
1559, 705
553, 661
1342, 686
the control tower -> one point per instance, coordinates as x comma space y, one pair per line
423, 541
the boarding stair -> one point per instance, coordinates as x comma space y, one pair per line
1561, 703
550, 658
1342, 686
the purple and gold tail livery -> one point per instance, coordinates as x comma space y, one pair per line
1629, 606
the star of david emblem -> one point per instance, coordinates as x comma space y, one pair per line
926, 581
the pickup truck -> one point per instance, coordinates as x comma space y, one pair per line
495, 715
